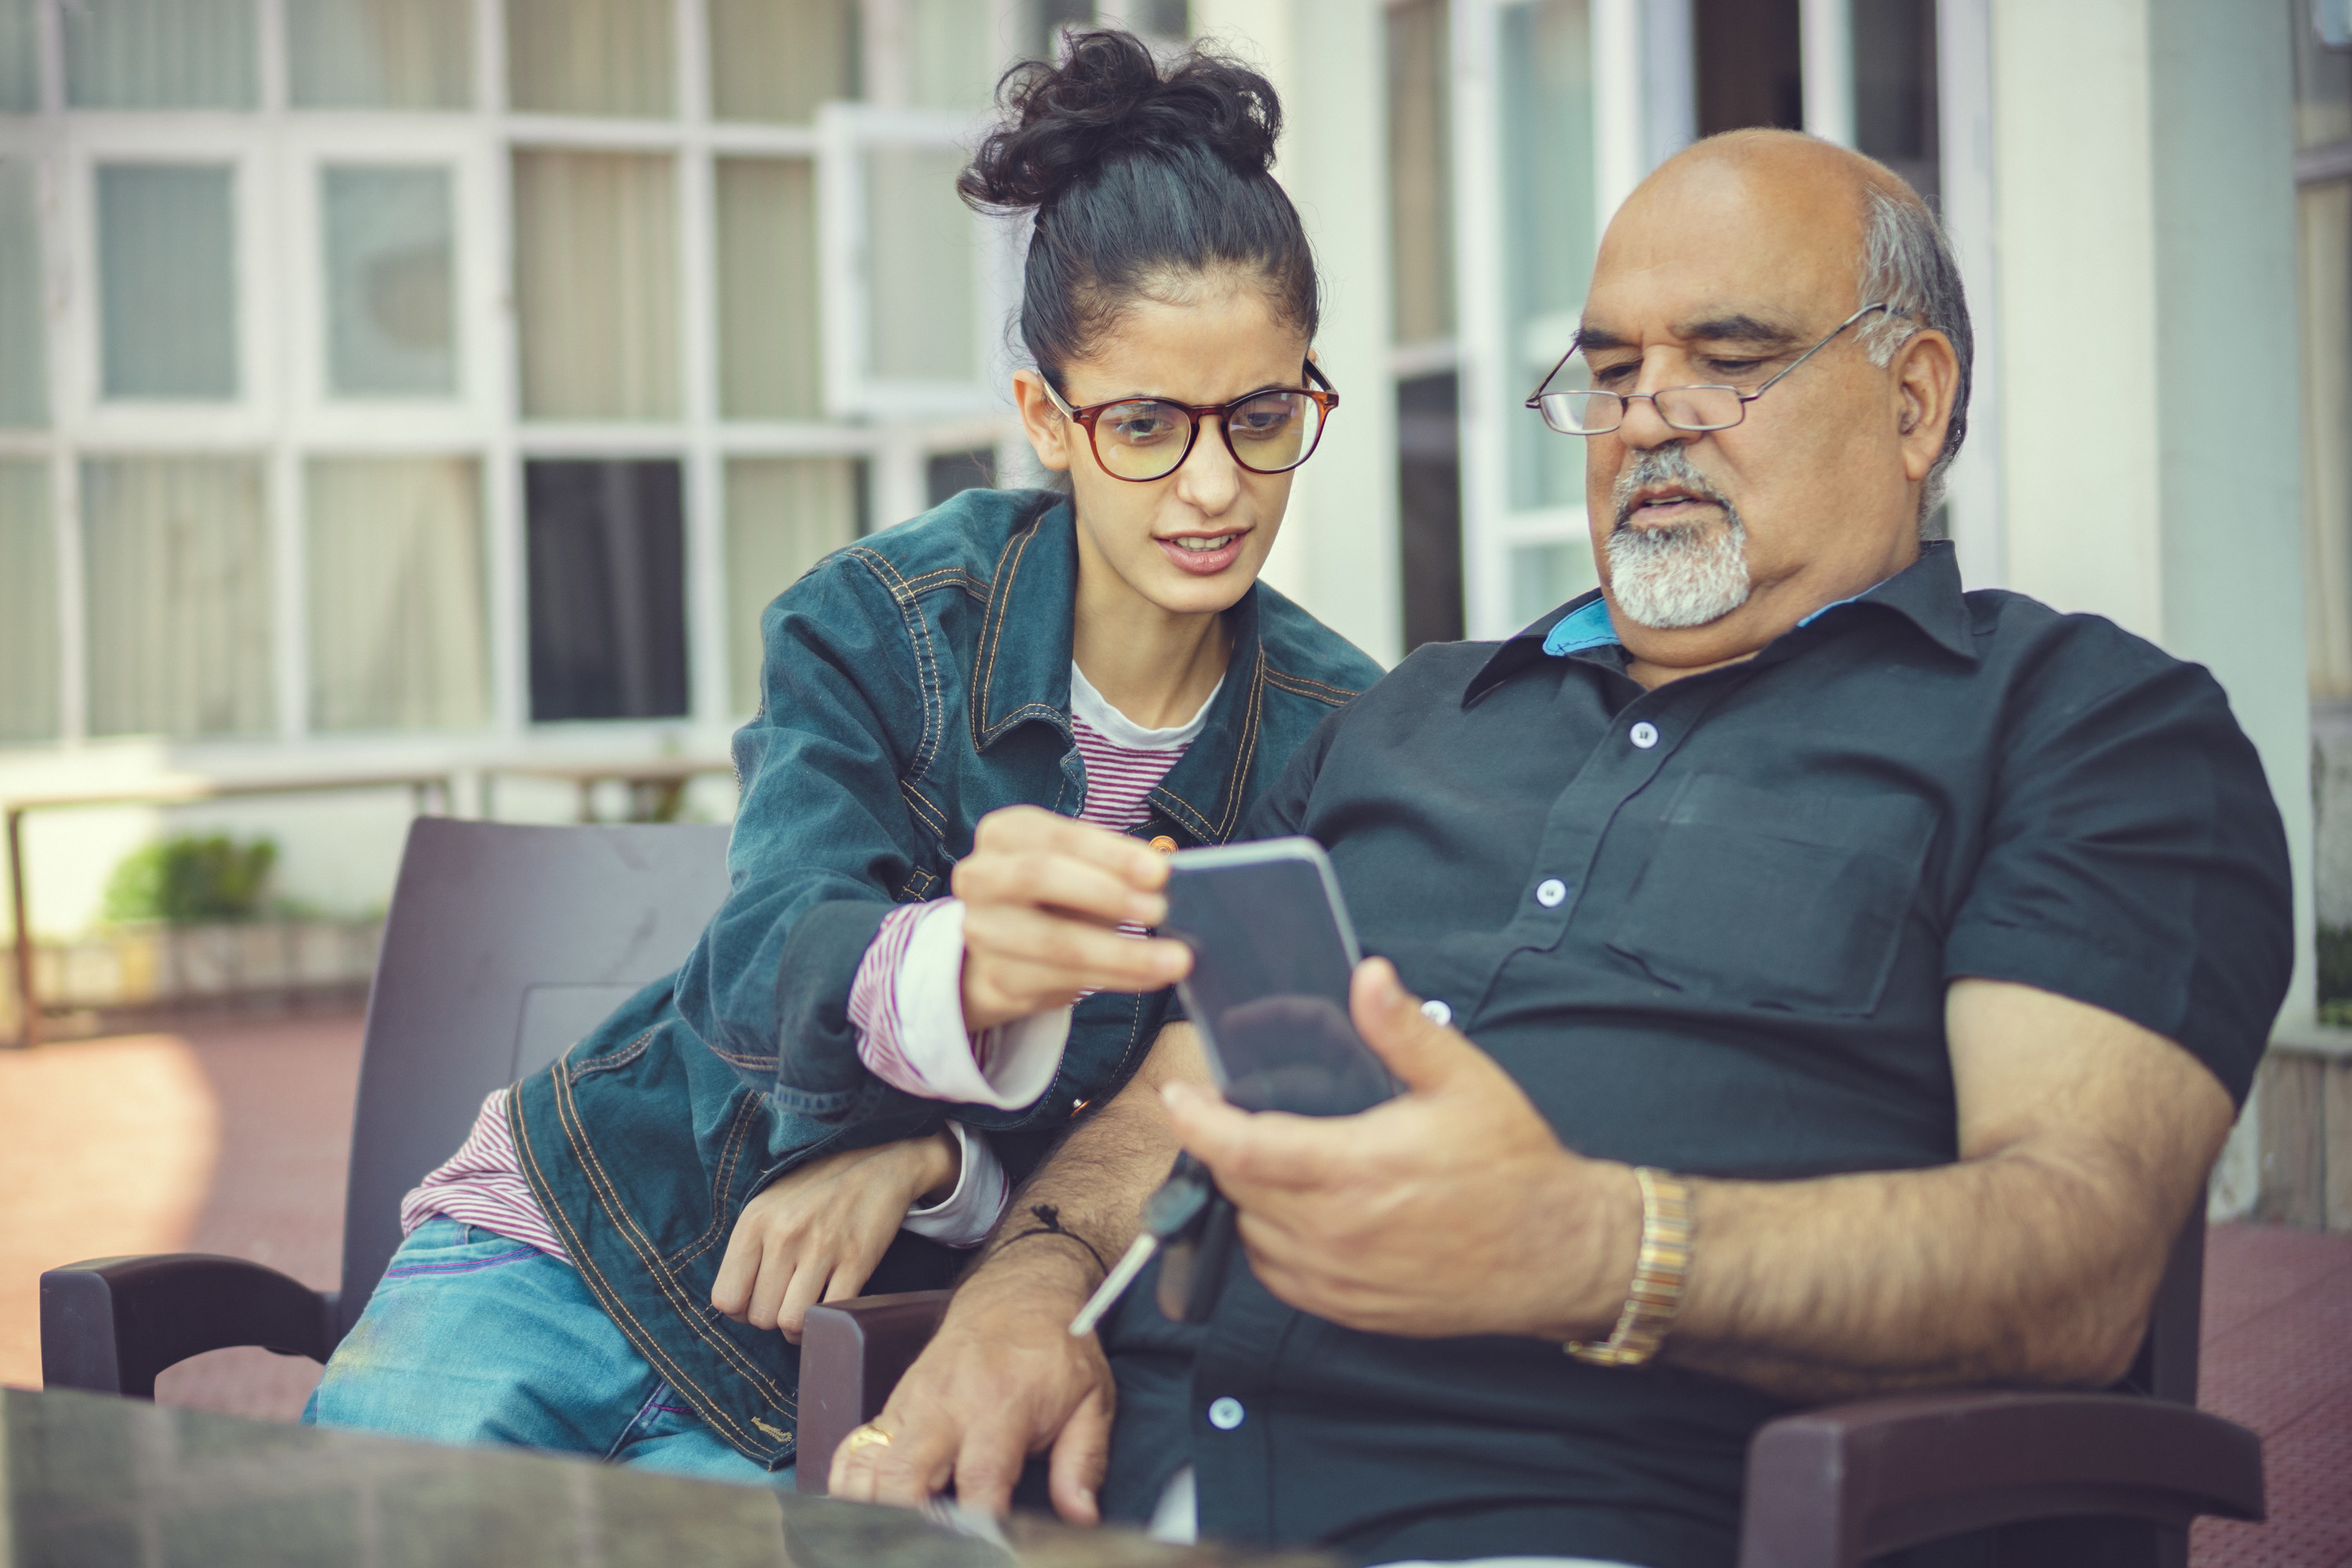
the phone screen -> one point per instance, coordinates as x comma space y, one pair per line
1269, 983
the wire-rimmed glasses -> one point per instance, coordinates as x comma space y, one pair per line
1579, 412
1145, 438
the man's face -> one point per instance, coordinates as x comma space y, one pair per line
1722, 271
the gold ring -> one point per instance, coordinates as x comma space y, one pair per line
867, 1436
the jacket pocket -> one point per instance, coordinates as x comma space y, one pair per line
1794, 902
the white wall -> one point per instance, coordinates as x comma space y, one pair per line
2150, 409
1338, 552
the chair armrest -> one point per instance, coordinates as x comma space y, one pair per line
110, 1324
1830, 1488
852, 1355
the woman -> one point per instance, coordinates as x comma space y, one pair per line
604, 1264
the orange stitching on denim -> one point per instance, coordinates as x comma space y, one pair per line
919, 633
649, 1255
933, 816
619, 1059
1246, 751
720, 1182
1297, 684
615, 1307
1008, 565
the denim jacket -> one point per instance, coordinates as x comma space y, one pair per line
913, 682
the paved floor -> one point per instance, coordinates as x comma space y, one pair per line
231, 1137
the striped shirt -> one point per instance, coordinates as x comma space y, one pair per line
482, 1183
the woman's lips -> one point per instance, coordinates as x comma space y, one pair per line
1203, 562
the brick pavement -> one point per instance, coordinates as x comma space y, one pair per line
231, 1136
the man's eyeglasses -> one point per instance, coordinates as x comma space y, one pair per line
1579, 413
1144, 438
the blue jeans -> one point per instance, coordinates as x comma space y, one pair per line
472, 1338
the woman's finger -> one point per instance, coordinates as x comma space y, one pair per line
1086, 957
807, 1288
1027, 829
778, 1266
732, 1291
1055, 882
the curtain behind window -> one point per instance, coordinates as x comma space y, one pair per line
390, 327
590, 56
167, 280
161, 53
398, 638
24, 324
20, 57
770, 364
176, 563
28, 603
776, 60
596, 284
606, 553
379, 54
921, 250
784, 516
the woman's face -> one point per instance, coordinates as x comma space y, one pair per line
1191, 543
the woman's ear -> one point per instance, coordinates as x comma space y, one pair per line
1048, 431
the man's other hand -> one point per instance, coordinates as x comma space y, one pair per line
1044, 898
1451, 1209
1001, 1380
817, 1233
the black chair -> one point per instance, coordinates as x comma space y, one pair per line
1989, 1478
505, 944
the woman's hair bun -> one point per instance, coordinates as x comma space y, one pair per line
1109, 99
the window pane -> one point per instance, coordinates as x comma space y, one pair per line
769, 358
1421, 171
1547, 82
1894, 105
23, 323
398, 637
921, 250
2323, 82
607, 564
947, 475
1546, 576
951, 59
20, 57
160, 54
167, 280
778, 60
28, 603
379, 54
175, 557
784, 516
389, 325
590, 56
2324, 214
596, 285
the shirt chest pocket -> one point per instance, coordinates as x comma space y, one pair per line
1789, 901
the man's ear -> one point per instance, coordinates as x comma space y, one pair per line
1048, 431
1926, 387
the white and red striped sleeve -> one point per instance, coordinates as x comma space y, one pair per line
482, 1185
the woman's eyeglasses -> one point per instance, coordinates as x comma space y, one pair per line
1144, 438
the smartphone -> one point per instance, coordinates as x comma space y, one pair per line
1272, 954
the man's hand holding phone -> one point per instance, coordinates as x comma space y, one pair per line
1043, 899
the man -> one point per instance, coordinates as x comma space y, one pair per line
1866, 972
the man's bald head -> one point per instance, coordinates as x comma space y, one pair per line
1843, 212
1814, 284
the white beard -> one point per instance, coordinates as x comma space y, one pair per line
1669, 578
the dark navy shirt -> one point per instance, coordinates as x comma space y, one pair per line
1711, 927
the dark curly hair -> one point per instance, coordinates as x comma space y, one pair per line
1135, 172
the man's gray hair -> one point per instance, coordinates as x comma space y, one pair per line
1908, 261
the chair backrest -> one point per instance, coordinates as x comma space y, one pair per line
505, 944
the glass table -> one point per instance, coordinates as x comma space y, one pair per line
93, 1480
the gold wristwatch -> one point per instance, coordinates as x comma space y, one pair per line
1659, 1274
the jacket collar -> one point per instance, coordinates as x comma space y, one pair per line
1926, 593
1020, 672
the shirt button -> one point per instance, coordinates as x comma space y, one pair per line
1226, 1413
1551, 891
1437, 1012
1643, 735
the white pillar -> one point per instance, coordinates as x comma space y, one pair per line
2150, 410
1338, 552
1826, 42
